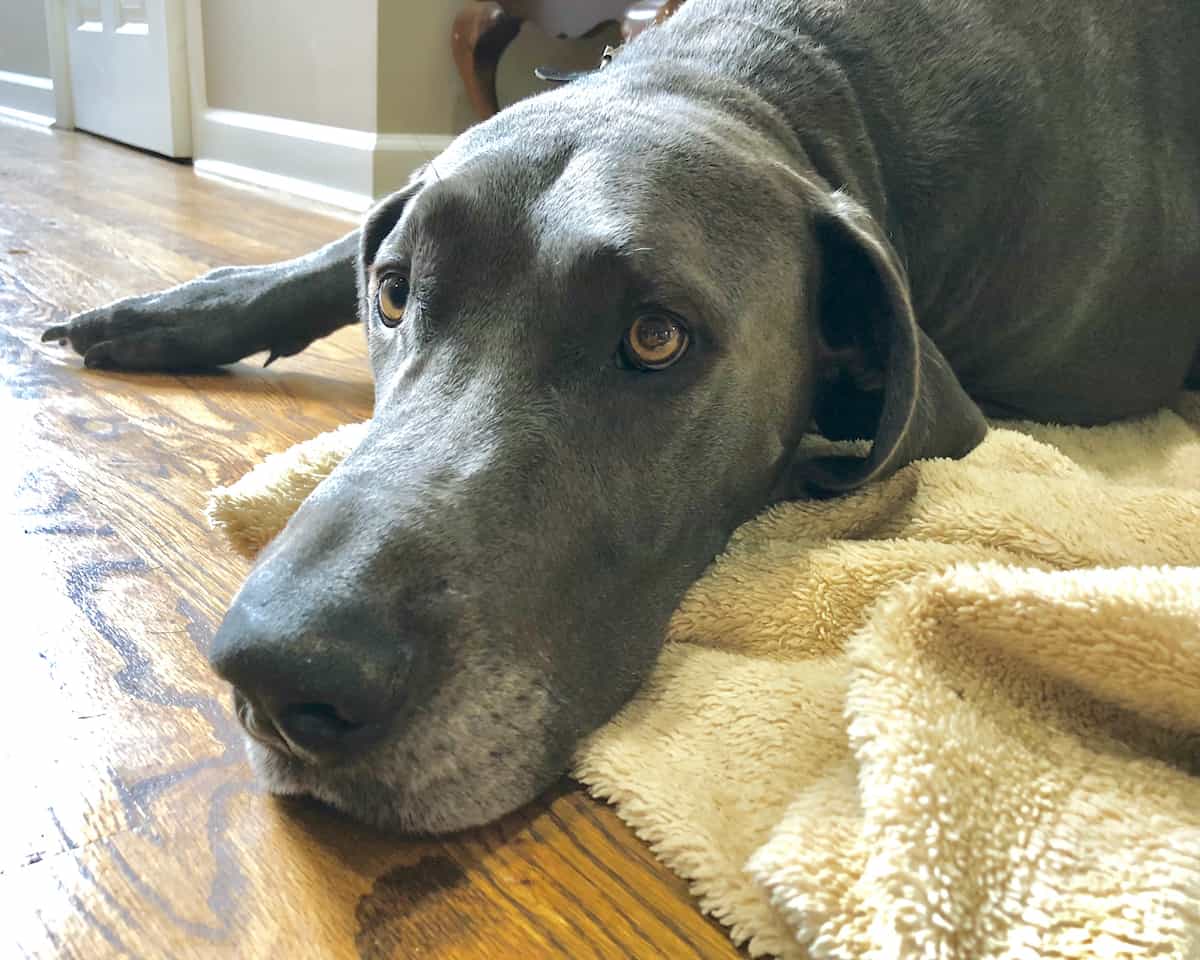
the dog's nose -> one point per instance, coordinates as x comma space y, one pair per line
312, 730
322, 687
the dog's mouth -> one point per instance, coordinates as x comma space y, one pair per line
482, 745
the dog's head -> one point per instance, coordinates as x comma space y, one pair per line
598, 328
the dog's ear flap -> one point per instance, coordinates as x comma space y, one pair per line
382, 218
879, 375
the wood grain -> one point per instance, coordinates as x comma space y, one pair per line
132, 826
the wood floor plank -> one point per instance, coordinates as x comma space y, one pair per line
137, 829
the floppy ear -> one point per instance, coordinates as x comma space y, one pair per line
382, 218
879, 375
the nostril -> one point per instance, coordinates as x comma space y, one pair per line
257, 722
316, 727
310, 731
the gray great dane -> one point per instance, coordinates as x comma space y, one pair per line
600, 322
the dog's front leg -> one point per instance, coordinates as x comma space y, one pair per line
222, 316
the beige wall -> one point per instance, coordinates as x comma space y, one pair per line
23, 47
418, 90
377, 65
419, 87
310, 60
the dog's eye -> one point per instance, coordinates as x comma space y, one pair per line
655, 341
392, 295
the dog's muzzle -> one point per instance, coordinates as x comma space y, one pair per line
310, 686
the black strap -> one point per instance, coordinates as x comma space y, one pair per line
566, 76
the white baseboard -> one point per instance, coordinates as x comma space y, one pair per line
222, 170
347, 168
27, 97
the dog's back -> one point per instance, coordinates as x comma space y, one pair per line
1037, 165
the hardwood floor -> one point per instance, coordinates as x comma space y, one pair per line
131, 824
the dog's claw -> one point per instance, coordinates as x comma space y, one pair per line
271, 358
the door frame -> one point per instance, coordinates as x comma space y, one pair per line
58, 45
60, 63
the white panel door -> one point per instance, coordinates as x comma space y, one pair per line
129, 72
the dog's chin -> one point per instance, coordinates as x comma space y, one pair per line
487, 755
436, 807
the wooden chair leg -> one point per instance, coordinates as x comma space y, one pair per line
481, 33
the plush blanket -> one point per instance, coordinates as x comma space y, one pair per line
953, 715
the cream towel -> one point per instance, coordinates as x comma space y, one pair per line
953, 715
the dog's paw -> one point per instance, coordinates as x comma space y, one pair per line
198, 325
86, 330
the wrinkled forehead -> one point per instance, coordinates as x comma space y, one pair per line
572, 188
684, 204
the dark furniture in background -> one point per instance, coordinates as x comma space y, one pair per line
483, 30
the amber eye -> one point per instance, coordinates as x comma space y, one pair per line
655, 341
393, 294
